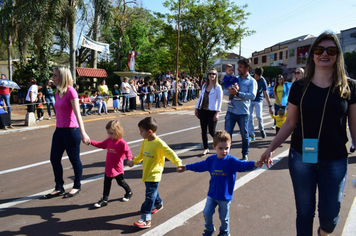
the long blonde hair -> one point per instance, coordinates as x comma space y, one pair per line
216, 79
65, 79
339, 77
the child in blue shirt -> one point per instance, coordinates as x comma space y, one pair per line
230, 80
222, 167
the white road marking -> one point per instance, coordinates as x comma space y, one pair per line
350, 225
182, 217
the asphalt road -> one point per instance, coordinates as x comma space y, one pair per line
263, 201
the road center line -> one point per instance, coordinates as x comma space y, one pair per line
189, 213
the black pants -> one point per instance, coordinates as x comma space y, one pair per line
277, 130
132, 103
39, 112
206, 118
120, 181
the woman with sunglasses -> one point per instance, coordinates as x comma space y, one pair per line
299, 73
208, 107
319, 105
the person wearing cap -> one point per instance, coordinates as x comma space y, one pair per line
125, 88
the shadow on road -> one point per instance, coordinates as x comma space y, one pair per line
54, 226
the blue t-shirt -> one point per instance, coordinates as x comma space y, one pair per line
261, 86
229, 80
222, 173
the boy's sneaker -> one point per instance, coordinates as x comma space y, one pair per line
127, 197
352, 149
41, 118
142, 224
101, 203
263, 134
252, 138
229, 104
209, 232
273, 127
156, 209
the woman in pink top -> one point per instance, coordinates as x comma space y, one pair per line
117, 149
69, 131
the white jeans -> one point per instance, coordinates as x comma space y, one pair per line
258, 106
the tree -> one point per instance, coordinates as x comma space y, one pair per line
350, 62
209, 27
271, 71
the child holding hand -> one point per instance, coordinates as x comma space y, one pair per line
222, 167
117, 149
152, 153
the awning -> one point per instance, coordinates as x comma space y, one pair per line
92, 72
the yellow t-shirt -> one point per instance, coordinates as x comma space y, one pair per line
279, 120
279, 94
152, 154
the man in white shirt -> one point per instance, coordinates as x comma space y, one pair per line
125, 89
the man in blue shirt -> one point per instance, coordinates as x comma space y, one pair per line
257, 104
245, 92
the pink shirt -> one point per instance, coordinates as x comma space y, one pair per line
116, 151
64, 111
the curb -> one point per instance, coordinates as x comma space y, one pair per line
101, 118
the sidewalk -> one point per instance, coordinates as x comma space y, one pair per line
18, 114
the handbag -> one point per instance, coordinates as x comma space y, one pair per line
311, 145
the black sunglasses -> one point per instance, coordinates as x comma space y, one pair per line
297, 72
211, 74
331, 51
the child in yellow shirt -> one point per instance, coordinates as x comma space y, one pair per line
152, 153
280, 118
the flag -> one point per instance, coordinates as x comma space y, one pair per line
89, 43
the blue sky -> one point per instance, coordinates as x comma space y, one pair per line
280, 20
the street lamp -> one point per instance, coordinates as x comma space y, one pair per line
178, 30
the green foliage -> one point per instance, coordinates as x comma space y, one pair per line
271, 72
350, 62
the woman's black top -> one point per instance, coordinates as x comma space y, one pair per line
333, 136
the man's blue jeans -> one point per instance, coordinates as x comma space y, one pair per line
242, 121
329, 177
6, 97
209, 211
125, 102
67, 139
152, 200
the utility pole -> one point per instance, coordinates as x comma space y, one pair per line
178, 29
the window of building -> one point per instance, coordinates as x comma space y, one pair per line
280, 55
287, 54
275, 57
255, 60
264, 59
291, 52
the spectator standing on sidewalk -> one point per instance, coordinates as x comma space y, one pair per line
132, 95
22, 92
5, 95
115, 98
125, 89
245, 92
48, 96
257, 103
31, 97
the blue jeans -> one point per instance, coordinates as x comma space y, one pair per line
50, 102
6, 97
258, 108
184, 95
329, 177
159, 97
152, 200
125, 102
67, 139
209, 211
100, 105
242, 121
142, 101
84, 106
